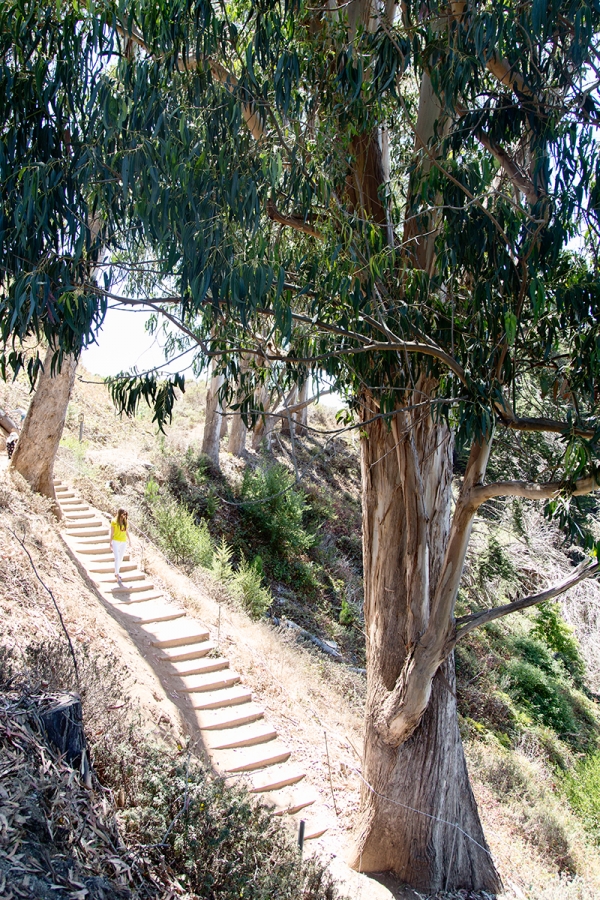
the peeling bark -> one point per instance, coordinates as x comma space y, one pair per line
415, 776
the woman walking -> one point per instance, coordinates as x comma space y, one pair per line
119, 538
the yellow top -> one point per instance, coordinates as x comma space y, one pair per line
118, 534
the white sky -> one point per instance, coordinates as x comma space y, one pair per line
124, 343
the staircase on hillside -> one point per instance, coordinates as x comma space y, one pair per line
232, 726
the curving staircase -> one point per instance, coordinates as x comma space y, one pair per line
231, 726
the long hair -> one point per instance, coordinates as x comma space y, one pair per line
122, 519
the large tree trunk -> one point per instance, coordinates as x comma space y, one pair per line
43, 425
418, 814
211, 439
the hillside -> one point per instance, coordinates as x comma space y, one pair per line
527, 687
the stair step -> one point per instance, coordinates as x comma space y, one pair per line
221, 699
132, 589
78, 514
95, 548
213, 681
241, 736
121, 598
229, 716
63, 495
81, 526
275, 778
288, 801
134, 575
247, 759
73, 505
97, 532
178, 634
314, 827
146, 613
99, 569
187, 652
199, 667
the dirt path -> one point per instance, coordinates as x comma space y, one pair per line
239, 723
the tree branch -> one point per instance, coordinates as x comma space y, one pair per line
542, 424
516, 176
532, 491
465, 624
296, 222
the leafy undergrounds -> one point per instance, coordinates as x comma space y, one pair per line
528, 685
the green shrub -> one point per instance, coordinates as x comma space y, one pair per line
551, 628
276, 507
542, 695
221, 562
246, 585
182, 540
582, 787
495, 562
220, 843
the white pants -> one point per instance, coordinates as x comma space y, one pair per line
118, 548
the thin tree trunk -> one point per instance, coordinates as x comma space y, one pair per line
43, 426
418, 814
237, 435
288, 423
301, 417
211, 439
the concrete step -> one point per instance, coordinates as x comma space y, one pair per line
241, 736
247, 759
130, 589
63, 495
73, 505
229, 717
94, 532
199, 667
78, 514
187, 651
213, 681
288, 801
94, 548
314, 826
221, 699
127, 599
100, 569
133, 576
152, 611
275, 778
178, 634
82, 526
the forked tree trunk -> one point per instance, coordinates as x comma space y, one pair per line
418, 814
43, 426
211, 439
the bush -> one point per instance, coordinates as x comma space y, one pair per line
543, 696
277, 507
221, 562
220, 843
582, 787
246, 586
181, 539
551, 628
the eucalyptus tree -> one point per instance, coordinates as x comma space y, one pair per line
393, 196
50, 230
